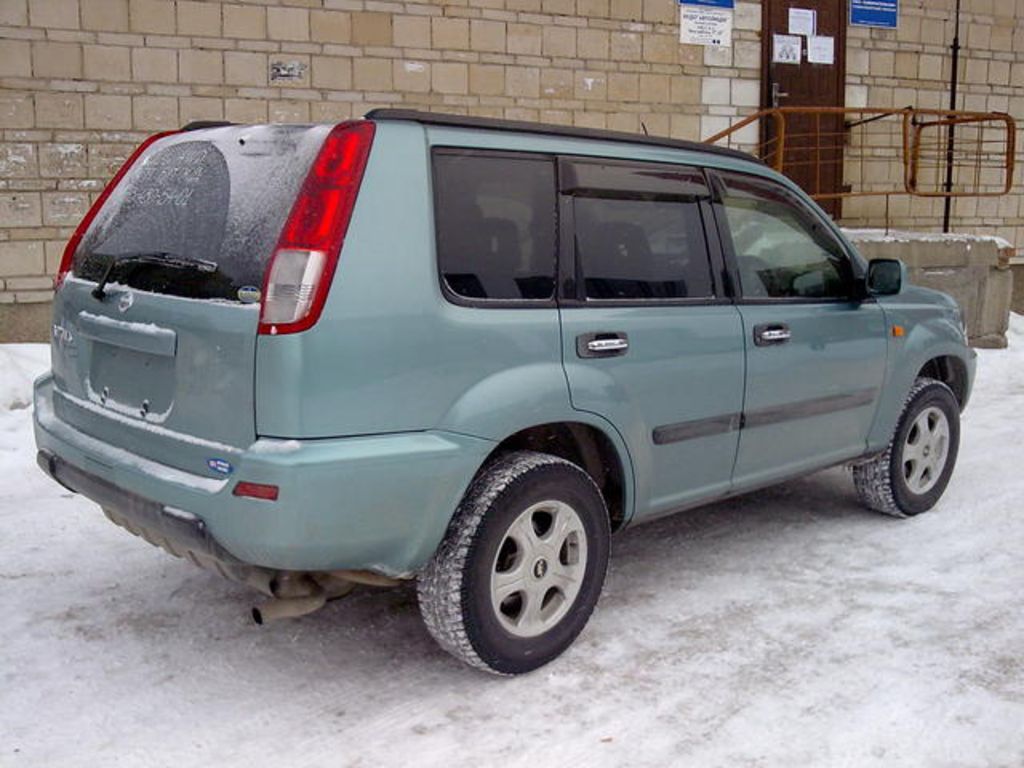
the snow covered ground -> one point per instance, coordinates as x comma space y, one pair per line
786, 628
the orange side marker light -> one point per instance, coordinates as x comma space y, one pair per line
898, 331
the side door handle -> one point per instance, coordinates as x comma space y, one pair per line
603, 344
771, 334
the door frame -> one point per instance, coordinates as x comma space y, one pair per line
834, 205
766, 53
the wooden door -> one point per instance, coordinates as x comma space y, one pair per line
813, 144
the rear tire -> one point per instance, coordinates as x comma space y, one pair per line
521, 567
910, 476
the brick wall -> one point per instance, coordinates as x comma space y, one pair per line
83, 81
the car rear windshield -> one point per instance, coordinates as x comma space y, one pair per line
199, 213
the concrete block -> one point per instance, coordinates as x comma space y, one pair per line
245, 21
202, 67
245, 68
107, 62
155, 113
288, 24
626, 46
245, 110
105, 159
200, 108
487, 36
63, 160
14, 13
56, 60
623, 86
716, 90
16, 110
655, 89
414, 76
452, 78
332, 72
64, 209
21, 257
449, 33
20, 209
591, 86
25, 322
747, 16
593, 43
592, 9
371, 29
556, 84
559, 42
375, 75
525, 39
155, 17
53, 14
628, 10
289, 111
411, 31
997, 296
108, 111
104, 15
15, 58
199, 19
155, 65
661, 49
486, 79
18, 161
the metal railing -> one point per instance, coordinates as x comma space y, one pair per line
837, 152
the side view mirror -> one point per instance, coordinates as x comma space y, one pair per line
885, 277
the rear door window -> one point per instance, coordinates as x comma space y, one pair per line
639, 232
199, 214
495, 218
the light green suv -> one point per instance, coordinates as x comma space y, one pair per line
465, 351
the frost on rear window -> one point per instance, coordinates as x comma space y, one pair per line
218, 196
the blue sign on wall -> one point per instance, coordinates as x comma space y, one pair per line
875, 13
709, 3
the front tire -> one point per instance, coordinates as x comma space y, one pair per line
912, 474
521, 567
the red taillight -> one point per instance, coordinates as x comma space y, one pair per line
83, 225
256, 491
302, 267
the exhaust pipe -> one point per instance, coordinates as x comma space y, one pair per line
296, 594
288, 607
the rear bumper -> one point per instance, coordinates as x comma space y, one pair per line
179, 532
379, 503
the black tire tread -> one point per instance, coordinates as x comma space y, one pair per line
873, 478
439, 587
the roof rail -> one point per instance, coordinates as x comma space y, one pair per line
544, 129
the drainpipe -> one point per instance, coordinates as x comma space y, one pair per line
955, 48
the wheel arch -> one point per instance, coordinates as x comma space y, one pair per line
590, 448
951, 371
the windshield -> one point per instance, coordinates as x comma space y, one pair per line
217, 196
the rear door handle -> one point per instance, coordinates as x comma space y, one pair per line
771, 334
606, 344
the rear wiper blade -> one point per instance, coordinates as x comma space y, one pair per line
161, 258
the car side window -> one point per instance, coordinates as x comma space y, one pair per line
639, 234
495, 216
783, 250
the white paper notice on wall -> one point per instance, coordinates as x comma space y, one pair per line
700, 25
821, 50
803, 21
786, 49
